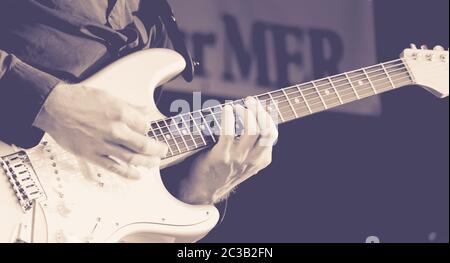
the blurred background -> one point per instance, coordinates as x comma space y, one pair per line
374, 168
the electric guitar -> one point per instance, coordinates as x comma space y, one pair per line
49, 195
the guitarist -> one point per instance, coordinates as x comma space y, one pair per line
46, 44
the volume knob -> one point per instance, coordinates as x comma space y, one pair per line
61, 237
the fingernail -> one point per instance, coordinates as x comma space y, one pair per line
164, 150
251, 100
239, 107
228, 107
134, 174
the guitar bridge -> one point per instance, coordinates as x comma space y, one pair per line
23, 179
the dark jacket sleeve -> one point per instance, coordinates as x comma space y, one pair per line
23, 90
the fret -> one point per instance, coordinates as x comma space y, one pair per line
371, 84
168, 136
290, 103
335, 90
188, 130
399, 73
284, 105
276, 107
155, 125
216, 122
264, 99
387, 74
304, 99
379, 78
353, 86
197, 129
179, 140
313, 98
344, 88
318, 92
182, 132
208, 127
267, 103
151, 132
407, 72
297, 100
163, 134
402, 79
328, 92
361, 83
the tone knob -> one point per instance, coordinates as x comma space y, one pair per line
424, 47
439, 48
413, 46
60, 236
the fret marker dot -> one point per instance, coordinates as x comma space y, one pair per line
202, 127
269, 108
184, 132
297, 101
327, 92
168, 136
360, 82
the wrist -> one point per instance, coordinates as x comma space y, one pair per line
43, 119
196, 191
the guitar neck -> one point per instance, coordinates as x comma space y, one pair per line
195, 130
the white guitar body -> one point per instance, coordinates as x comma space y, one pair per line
83, 203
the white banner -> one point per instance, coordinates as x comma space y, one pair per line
247, 47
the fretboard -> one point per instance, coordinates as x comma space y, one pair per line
192, 131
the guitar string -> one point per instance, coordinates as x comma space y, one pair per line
289, 99
64, 153
337, 93
289, 110
315, 92
187, 149
368, 87
182, 117
314, 88
287, 106
346, 76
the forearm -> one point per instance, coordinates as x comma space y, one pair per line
23, 91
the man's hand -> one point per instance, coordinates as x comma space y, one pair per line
100, 128
233, 160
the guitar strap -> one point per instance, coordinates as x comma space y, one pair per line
165, 13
